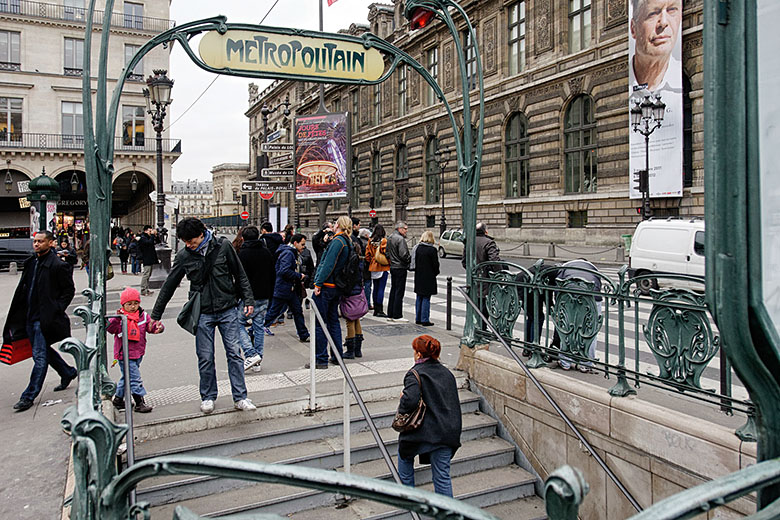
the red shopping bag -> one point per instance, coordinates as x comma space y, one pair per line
15, 351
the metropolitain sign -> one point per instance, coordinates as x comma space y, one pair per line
268, 52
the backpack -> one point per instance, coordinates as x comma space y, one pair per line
351, 274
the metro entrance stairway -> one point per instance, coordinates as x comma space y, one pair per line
483, 470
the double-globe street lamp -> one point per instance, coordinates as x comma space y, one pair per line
442, 157
647, 115
158, 97
266, 111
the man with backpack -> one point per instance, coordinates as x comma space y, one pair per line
329, 274
288, 287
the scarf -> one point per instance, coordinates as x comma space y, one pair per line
133, 332
203, 245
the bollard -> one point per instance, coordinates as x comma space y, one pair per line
12, 268
526, 249
449, 303
551, 250
620, 256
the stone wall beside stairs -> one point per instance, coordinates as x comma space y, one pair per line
654, 451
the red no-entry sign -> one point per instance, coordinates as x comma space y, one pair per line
372, 213
266, 196
245, 215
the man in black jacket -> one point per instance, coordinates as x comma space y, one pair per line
38, 311
272, 240
258, 264
321, 239
213, 269
148, 255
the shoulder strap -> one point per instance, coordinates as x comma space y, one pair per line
210, 261
418, 381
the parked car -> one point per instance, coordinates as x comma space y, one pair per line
14, 250
669, 246
451, 243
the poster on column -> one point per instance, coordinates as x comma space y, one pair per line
655, 68
322, 156
51, 217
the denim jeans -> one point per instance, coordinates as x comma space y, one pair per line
136, 384
43, 356
367, 291
294, 304
135, 262
328, 304
423, 309
440, 467
258, 317
227, 322
395, 305
379, 289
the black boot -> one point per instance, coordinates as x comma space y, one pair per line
349, 349
379, 311
358, 345
119, 402
140, 405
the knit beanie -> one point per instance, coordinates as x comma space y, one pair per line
129, 295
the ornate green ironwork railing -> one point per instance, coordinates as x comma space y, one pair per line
665, 339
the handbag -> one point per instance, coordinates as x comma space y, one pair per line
189, 316
354, 307
15, 351
109, 272
406, 422
380, 257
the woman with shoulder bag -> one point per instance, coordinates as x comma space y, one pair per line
437, 437
425, 261
353, 307
378, 266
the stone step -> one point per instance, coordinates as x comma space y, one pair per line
528, 508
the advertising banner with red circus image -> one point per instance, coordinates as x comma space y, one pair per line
322, 155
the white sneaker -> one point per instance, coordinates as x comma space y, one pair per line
207, 406
404, 320
245, 405
252, 361
257, 368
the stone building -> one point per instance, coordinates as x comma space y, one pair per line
41, 113
226, 180
195, 197
555, 88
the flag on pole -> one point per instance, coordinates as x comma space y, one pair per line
331, 2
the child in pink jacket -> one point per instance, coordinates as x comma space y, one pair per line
139, 323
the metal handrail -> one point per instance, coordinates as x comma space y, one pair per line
76, 142
348, 381
553, 403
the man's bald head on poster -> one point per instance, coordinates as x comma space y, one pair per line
655, 27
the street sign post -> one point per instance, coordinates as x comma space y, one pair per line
276, 147
277, 172
244, 215
267, 186
281, 159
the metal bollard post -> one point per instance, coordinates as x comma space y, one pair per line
551, 250
620, 256
12, 268
449, 303
526, 249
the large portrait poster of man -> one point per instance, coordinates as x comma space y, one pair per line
322, 155
655, 68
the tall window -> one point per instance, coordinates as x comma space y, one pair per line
132, 126
401, 163
471, 59
137, 74
10, 56
336, 105
516, 156
516, 37
432, 63
579, 25
355, 107
74, 10
432, 184
72, 122
376, 180
402, 104
377, 104
74, 56
10, 119
687, 133
579, 131
134, 15
355, 186
9, 6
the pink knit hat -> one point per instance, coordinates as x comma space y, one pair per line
129, 295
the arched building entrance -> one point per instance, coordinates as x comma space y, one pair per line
14, 207
131, 206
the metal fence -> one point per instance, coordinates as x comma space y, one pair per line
16, 140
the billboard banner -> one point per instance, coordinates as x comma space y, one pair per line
655, 68
322, 155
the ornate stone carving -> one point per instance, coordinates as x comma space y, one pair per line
544, 26
449, 64
489, 52
617, 12
364, 103
543, 92
692, 43
575, 85
430, 130
415, 86
387, 98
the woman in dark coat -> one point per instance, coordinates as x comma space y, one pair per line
438, 437
425, 263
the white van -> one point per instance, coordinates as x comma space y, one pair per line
669, 246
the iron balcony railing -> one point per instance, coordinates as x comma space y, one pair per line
663, 337
76, 142
79, 14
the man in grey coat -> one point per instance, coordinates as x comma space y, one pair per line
487, 251
398, 255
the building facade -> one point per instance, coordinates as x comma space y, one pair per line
226, 180
556, 138
41, 112
195, 197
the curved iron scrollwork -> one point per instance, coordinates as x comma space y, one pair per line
503, 304
564, 491
681, 339
576, 316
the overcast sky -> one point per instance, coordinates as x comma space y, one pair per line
215, 129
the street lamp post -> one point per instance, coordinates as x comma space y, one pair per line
647, 115
158, 97
442, 157
265, 111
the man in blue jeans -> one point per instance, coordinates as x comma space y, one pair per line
289, 285
213, 269
37, 311
326, 296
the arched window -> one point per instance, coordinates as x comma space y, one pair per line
432, 184
376, 180
687, 133
401, 163
516, 156
579, 131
